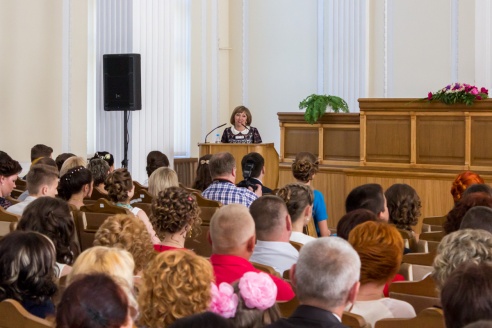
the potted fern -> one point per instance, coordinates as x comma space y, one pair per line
316, 105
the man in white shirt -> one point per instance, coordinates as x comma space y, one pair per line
42, 180
273, 230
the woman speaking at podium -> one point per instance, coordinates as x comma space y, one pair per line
241, 131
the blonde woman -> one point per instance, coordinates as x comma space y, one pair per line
176, 284
162, 178
116, 263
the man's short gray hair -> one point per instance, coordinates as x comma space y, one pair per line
327, 269
221, 164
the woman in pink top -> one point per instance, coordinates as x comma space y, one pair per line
175, 213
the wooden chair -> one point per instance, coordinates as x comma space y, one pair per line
429, 317
139, 186
297, 245
204, 202
433, 223
310, 229
13, 315
141, 196
146, 207
420, 294
353, 320
288, 308
7, 222
189, 189
198, 242
432, 236
102, 205
16, 193
265, 268
419, 258
411, 242
21, 184
96, 194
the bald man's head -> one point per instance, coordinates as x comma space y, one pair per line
231, 228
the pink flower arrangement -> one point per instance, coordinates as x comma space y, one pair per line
459, 93
257, 290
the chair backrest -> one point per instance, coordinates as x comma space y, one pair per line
142, 196
409, 240
13, 199
265, 268
21, 184
429, 317
96, 194
146, 207
432, 236
420, 294
288, 308
189, 189
204, 202
419, 258
87, 224
310, 229
296, 245
102, 205
199, 242
13, 315
7, 221
434, 220
353, 320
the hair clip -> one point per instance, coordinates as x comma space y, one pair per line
190, 199
204, 161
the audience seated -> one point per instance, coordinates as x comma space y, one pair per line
223, 172
403, 206
72, 162
75, 185
463, 181
455, 216
129, 233
248, 303
175, 285
202, 320
326, 278
352, 219
27, 260
203, 178
369, 196
380, 248
155, 160
478, 217
108, 157
466, 296
115, 262
95, 301
162, 178
466, 245
52, 218
42, 180
232, 235
100, 170
60, 159
120, 189
253, 167
175, 213
9, 172
299, 200
273, 229
304, 169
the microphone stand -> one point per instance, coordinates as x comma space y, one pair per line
213, 131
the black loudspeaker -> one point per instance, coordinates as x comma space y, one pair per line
122, 83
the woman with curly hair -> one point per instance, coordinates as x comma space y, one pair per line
108, 157
403, 206
380, 248
51, 217
299, 200
100, 170
75, 185
463, 181
175, 285
119, 185
203, 178
455, 216
26, 271
129, 233
9, 172
175, 213
468, 245
162, 178
304, 169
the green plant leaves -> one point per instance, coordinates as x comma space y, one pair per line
315, 106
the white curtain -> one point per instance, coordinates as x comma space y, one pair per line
160, 32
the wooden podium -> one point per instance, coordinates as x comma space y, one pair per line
267, 150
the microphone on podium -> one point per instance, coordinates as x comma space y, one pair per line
213, 131
245, 127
